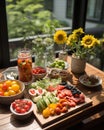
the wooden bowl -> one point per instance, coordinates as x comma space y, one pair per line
9, 99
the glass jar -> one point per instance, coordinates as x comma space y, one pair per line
63, 55
25, 65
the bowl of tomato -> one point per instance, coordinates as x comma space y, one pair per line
39, 72
11, 90
22, 108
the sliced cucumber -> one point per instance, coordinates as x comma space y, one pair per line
46, 100
43, 102
39, 108
41, 105
36, 99
51, 98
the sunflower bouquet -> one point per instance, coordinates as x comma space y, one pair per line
79, 43
82, 45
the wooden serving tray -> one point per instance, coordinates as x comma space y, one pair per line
52, 119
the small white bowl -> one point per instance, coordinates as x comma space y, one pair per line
25, 115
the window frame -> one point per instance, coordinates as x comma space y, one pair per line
79, 11
4, 46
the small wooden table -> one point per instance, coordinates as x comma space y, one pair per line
89, 114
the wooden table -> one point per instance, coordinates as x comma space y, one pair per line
88, 115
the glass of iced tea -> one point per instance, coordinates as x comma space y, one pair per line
25, 65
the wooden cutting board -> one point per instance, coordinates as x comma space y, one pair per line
52, 119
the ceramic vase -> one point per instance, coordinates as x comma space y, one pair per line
77, 65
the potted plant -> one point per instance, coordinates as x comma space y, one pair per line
82, 45
60, 38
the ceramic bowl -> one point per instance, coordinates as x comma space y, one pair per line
8, 99
54, 73
10, 73
90, 80
39, 73
21, 114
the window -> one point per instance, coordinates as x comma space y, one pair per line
95, 26
95, 17
69, 9
6, 44
95, 10
27, 18
49, 4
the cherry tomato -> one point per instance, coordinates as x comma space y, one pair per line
23, 110
17, 105
29, 103
6, 93
1, 93
38, 70
57, 110
1, 85
18, 109
11, 92
14, 105
5, 86
13, 82
21, 105
46, 112
26, 107
64, 109
8, 82
65, 104
59, 105
17, 101
15, 87
23, 102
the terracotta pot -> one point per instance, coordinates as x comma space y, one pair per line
77, 65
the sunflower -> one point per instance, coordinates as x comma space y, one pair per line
60, 37
78, 31
72, 38
88, 41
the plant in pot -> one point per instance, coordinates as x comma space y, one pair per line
60, 38
82, 46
